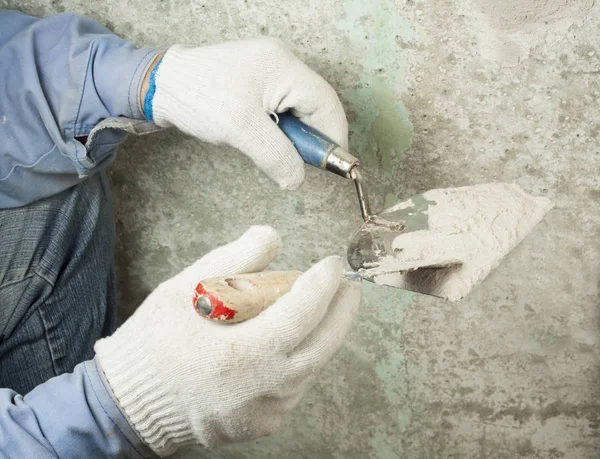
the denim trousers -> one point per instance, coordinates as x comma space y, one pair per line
57, 283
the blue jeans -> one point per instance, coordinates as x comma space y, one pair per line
57, 283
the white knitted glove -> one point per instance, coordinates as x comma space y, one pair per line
181, 379
224, 93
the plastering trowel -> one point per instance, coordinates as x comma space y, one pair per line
441, 243
372, 242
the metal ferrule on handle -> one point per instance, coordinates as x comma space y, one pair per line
320, 151
317, 149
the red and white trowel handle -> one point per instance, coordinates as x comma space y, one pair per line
241, 297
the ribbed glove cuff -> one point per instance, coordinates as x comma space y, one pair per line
139, 391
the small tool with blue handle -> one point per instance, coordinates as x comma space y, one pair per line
320, 151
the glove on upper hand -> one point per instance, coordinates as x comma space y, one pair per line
183, 379
224, 93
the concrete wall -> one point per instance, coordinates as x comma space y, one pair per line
438, 93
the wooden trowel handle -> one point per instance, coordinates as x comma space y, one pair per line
241, 297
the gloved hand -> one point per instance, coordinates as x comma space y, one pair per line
182, 379
224, 93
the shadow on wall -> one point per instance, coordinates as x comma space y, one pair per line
131, 205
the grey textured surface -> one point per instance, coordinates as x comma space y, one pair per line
439, 93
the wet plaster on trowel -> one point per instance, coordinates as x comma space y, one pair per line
470, 230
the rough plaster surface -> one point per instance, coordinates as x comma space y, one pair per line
470, 229
510, 28
513, 370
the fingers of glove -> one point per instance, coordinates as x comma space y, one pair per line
256, 418
293, 316
328, 336
252, 252
267, 415
316, 103
295, 86
258, 137
272, 409
331, 123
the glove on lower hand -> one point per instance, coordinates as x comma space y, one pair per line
224, 93
182, 379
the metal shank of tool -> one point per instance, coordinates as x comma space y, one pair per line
340, 162
320, 151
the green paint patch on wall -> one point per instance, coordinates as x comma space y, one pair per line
376, 27
381, 444
391, 132
390, 200
381, 129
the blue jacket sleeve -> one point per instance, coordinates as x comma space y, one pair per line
60, 77
69, 416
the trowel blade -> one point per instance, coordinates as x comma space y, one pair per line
370, 250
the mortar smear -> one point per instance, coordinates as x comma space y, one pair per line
474, 226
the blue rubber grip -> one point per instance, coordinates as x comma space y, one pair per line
312, 145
